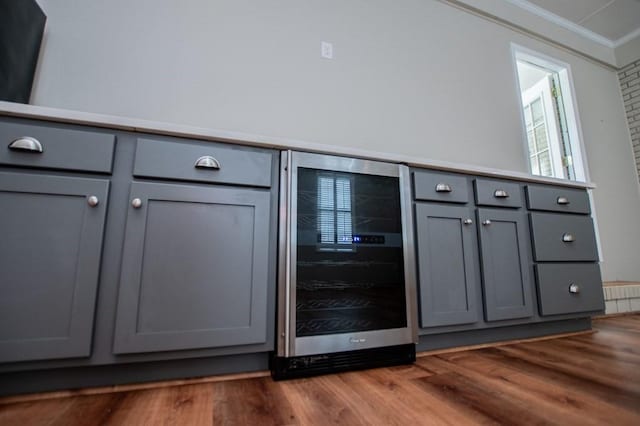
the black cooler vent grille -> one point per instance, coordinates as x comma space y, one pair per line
312, 365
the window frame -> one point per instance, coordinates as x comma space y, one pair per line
574, 127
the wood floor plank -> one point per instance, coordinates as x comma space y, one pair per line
424, 406
313, 401
552, 399
602, 351
33, 413
486, 402
612, 340
579, 379
260, 401
611, 394
612, 376
89, 410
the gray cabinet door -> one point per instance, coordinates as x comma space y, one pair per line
50, 248
194, 268
447, 248
505, 263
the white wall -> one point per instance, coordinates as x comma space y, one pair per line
415, 77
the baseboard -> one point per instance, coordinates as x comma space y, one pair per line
449, 340
68, 379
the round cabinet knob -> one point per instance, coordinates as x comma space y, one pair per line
574, 289
93, 201
467, 221
486, 222
136, 203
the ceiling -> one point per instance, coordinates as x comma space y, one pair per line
614, 20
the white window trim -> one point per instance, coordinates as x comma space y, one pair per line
574, 126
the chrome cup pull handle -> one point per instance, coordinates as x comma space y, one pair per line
568, 238
486, 222
501, 193
207, 162
443, 187
26, 144
574, 288
563, 201
468, 221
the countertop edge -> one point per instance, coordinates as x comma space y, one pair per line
146, 126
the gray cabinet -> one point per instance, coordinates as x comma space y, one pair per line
47, 146
195, 268
566, 288
50, 250
557, 199
505, 265
447, 247
490, 192
440, 186
563, 235
474, 263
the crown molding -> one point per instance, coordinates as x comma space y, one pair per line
481, 12
622, 40
567, 24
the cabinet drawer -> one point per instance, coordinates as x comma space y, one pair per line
497, 193
437, 186
555, 199
568, 288
30, 145
559, 237
203, 162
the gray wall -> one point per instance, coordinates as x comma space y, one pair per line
415, 77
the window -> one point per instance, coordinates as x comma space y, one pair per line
551, 125
334, 213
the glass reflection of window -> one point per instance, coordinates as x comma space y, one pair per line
334, 213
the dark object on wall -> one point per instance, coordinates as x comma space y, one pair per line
21, 29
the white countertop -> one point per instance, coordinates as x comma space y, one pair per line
133, 124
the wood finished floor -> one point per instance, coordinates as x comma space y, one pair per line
590, 379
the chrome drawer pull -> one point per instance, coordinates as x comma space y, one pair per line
501, 193
562, 201
486, 222
574, 288
207, 162
467, 222
93, 201
443, 187
27, 144
568, 238
136, 203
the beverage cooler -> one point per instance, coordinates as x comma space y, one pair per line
346, 290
